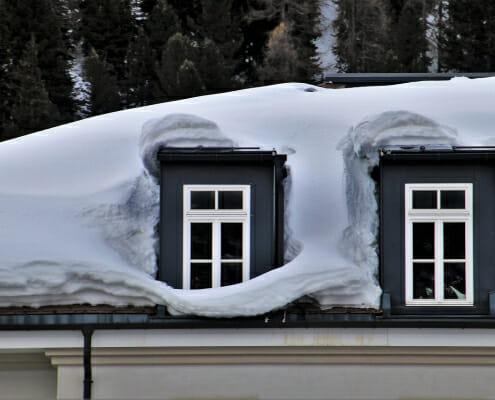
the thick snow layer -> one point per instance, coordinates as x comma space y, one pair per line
79, 203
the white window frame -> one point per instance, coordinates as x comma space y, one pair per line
215, 217
438, 216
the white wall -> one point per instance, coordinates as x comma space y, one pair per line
27, 376
252, 364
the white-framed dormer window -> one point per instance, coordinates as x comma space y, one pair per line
216, 235
439, 244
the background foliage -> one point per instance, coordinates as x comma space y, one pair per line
62, 60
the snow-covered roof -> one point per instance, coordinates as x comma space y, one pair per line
79, 202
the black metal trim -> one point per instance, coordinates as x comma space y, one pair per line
211, 155
87, 331
455, 154
362, 79
279, 319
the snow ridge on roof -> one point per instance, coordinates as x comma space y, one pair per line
79, 204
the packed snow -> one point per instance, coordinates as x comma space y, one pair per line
79, 203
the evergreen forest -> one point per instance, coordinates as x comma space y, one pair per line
63, 60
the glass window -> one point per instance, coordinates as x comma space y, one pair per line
424, 199
438, 244
455, 281
452, 199
454, 240
201, 275
202, 200
231, 243
231, 273
216, 233
201, 241
424, 280
423, 240
230, 200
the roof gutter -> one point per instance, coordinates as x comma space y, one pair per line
279, 319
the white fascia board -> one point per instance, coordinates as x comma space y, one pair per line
387, 337
439, 337
39, 340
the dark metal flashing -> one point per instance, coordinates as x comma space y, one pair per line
278, 319
373, 79
219, 154
436, 152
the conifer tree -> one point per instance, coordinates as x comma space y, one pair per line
361, 32
467, 36
32, 109
104, 94
46, 22
160, 25
215, 74
220, 34
281, 59
408, 31
178, 50
139, 72
188, 81
108, 27
147, 6
301, 22
5, 69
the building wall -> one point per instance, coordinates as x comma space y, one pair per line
27, 376
244, 364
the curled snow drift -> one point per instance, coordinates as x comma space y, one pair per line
178, 130
79, 203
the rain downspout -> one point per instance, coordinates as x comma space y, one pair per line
87, 332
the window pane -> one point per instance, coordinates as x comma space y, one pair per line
452, 199
454, 240
201, 275
231, 273
201, 241
455, 281
201, 200
423, 281
423, 240
424, 199
230, 200
231, 241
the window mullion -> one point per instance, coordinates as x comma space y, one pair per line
186, 273
409, 260
216, 253
439, 260
468, 264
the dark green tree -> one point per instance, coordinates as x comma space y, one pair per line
5, 69
219, 37
147, 6
361, 36
44, 21
467, 36
108, 27
188, 81
160, 25
104, 93
408, 33
140, 73
32, 109
300, 19
215, 75
178, 50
